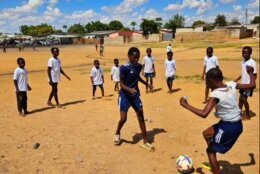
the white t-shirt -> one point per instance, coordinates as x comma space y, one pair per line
148, 63
97, 75
168, 48
227, 108
21, 76
245, 78
170, 67
210, 62
115, 73
55, 65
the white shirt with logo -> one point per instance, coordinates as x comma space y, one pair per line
21, 75
210, 62
227, 108
245, 78
170, 67
97, 75
168, 48
148, 63
115, 73
55, 65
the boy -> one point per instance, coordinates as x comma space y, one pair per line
129, 95
21, 85
223, 135
170, 68
169, 48
97, 78
245, 79
148, 68
115, 74
54, 70
101, 50
210, 61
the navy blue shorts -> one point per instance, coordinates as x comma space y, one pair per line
226, 134
170, 79
95, 86
148, 75
246, 93
124, 103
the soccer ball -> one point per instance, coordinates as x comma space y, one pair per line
184, 164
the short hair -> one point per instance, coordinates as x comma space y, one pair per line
169, 53
96, 61
210, 48
249, 48
54, 48
115, 59
148, 49
215, 74
20, 59
133, 50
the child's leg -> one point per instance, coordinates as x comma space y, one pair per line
123, 119
147, 81
55, 93
140, 116
19, 103
94, 90
102, 90
24, 102
151, 82
168, 84
51, 95
206, 94
116, 86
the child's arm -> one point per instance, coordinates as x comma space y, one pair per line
92, 81
29, 87
203, 73
144, 82
251, 85
202, 113
238, 79
143, 70
16, 86
103, 79
154, 70
49, 75
124, 87
62, 72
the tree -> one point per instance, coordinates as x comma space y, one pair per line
77, 29
149, 27
198, 23
115, 25
159, 22
96, 26
65, 28
256, 20
133, 23
220, 20
37, 31
235, 21
177, 21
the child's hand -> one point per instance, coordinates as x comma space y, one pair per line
183, 101
68, 78
29, 88
132, 90
249, 69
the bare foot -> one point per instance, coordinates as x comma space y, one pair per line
93, 98
59, 106
50, 104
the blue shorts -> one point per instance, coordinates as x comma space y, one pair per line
226, 134
148, 75
124, 103
170, 79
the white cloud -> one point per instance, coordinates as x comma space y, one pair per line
227, 1
254, 4
237, 8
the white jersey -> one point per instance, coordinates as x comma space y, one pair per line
115, 73
170, 67
148, 63
97, 75
245, 78
227, 108
55, 65
20, 75
210, 62
168, 48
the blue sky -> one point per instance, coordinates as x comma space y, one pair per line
14, 13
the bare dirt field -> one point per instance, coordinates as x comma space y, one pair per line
79, 137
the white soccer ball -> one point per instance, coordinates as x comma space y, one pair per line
184, 164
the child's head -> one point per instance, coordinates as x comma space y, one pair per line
133, 55
170, 45
96, 63
214, 77
169, 55
55, 51
148, 52
116, 62
246, 52
21, 62
209, 51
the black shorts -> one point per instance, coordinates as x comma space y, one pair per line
170, 79
246, 93
95, 86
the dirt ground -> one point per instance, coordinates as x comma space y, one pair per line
79, 137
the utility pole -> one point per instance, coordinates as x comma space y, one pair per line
246, 16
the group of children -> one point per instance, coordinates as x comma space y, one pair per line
220, 137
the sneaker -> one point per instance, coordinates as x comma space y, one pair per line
147, 146
117, 139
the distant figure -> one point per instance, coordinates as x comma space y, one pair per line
96, 45
4, 47
97, 78
170, 68
115, 74
34, 46
20, 46
181, 39
101, 50
169, 48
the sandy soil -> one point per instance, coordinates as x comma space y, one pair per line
79, 137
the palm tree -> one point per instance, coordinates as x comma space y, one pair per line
133, 24
65, 28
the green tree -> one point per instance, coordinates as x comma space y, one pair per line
198, 23
133, 23
235, 21
37, 31
256, 20
76, 29
159, 22
220, 20
96, 26
115, 25
177, 21
149, 27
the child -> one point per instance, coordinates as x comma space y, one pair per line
169, 48
101, 50
129, 95
223, 135
245, 79
4, 47
115, 74
148, 68
170, 68
54, 70
21, 85
97, 78
96, 45
210, 61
